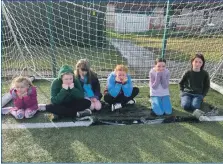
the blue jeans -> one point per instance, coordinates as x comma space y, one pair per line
190, 102
161, 105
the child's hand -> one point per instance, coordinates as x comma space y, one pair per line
82, 77
21, 95
65, 86
71, 85
159, 74
93, 99
117, 79
124, 80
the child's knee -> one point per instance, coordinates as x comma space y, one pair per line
195, 105
185, 105
168, 111
136, 90
92, 105
97, 105
157, 110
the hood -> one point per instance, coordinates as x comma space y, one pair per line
65, 69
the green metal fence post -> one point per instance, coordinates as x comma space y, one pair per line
52, 44
166, 27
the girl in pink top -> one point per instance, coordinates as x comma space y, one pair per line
24, 98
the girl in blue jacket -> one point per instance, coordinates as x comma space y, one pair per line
90, 83
119, 89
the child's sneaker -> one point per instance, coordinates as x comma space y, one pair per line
213, 112
204, 118
20, 114
116, 106
41, 107
6, 110
152, 113
198, 113
86, 112
131, 102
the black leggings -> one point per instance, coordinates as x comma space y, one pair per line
121, 98
69, 109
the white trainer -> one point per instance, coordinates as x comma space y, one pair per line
41, 107
116, 106
131, 102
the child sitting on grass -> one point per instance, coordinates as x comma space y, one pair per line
67, 96
159, 88
194, 85
119, 90
89, 82
24, 97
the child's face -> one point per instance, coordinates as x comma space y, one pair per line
21, 88
121, 75
160, 66
82, 71
197, 63
67, 79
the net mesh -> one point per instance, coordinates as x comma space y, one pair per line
38, 37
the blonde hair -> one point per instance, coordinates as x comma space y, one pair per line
83, 63
21, 79
121, 67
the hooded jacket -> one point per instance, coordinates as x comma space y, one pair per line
60, 95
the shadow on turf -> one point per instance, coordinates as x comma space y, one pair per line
169, 143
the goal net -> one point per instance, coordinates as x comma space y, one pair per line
38, 37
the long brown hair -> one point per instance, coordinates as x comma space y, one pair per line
200, 56
83, 63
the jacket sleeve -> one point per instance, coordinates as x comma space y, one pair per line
182, 81
154, 80
97, 89
13, 93
165, 79
206, 84
77, 91
17, 101
113, 87
58, 94
128, 87
88, 90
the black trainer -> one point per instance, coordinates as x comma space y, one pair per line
152, 113
86, 112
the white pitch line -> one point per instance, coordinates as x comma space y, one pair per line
46, 125
215, 118
71, 124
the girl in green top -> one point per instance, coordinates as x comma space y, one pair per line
67, 96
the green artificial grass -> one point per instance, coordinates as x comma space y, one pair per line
175, 142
